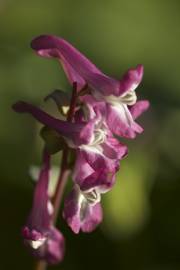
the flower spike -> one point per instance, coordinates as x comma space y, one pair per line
99, 109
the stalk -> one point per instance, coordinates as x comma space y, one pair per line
63, 177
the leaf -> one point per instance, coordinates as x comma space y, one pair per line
61, 99
54, 142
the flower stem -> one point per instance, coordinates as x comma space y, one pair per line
40, 265
64, 173
73, 103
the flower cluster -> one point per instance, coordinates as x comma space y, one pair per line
99, 110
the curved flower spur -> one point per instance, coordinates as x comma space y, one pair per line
99, 108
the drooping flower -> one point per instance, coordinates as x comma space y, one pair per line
40, 236
82, 208
119, 95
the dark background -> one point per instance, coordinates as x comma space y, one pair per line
141, 227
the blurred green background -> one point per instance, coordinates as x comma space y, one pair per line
141, 227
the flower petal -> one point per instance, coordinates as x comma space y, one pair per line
72, 74
79, 214
138, 108
108, 86
54, 250
77, 133
74, 63
93, 217
81, 168
120, 121
51, 249
39, 218
103, 84
101, 180
91, 107
81, 70
71, 212
131, 79
113, 149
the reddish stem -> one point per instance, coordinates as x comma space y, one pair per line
40, 265
73, 103
64, 173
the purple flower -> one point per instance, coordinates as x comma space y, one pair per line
92, 138
40, 236
119, 95
82, 208
75, 133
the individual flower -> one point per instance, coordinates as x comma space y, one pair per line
119, 95
82, 208
75, 133
40, 236
92, 138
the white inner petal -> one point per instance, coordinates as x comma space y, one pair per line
123, 112
36, 244
98, 138
128, 98
92, 197
133, 87
96, 149
50, 208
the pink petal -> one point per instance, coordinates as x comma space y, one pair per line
138, 108
74, 63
